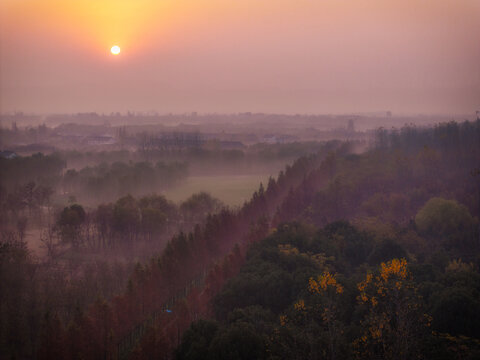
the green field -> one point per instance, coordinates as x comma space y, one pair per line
231, 189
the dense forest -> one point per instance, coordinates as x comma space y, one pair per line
381, 261
343, 255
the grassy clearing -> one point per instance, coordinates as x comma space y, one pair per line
233, 190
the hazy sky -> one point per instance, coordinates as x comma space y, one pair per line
293, 56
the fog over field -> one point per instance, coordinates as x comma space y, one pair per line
255, 179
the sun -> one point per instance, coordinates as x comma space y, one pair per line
115, 50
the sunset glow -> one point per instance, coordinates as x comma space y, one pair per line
217, 55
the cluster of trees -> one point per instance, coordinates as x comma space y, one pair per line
79, 159
24, 202
34, 294
95, 177
340, 293
98, 331
42, 169
56, 295
129, 222
106, 182
213, 156
27, 135
27, 186
48, 306
390, 182
285, 151
148, 144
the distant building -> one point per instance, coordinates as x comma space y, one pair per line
7, 154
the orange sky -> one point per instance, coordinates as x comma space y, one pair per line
293, 56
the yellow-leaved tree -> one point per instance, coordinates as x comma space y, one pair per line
328, 289
394, 323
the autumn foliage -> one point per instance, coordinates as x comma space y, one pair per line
394, 323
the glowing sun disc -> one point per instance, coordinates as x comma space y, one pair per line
115, 50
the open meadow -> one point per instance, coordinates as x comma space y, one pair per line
232, 190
